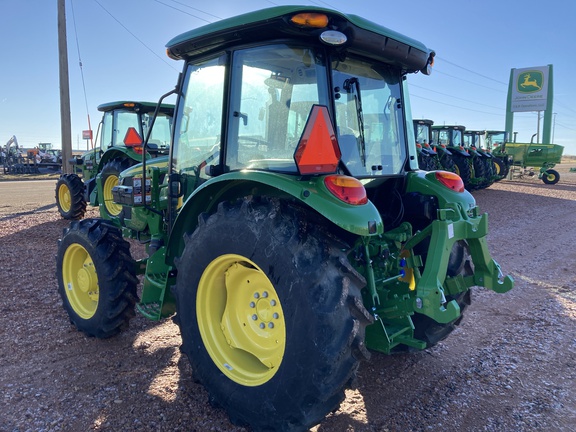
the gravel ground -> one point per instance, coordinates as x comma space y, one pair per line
510, 366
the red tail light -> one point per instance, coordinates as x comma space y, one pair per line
450, 180
347, 189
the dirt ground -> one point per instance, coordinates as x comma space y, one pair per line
510, 366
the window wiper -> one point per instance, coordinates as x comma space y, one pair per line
351, 84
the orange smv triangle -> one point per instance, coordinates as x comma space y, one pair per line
132, 138
318, 151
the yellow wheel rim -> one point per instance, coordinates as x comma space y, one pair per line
112, 208
64, 198
80, 281
241, 320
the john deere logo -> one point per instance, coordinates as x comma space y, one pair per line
530, 82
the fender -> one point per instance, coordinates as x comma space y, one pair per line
363, 220
119, 152
458, 150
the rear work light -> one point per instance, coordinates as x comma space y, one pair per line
310, 19
347, 189
450, 180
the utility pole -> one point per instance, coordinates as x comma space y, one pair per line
65, 123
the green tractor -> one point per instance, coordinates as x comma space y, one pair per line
474, 140
467, 161
112, 155
290, 234
495, 143
431, 156
524, 157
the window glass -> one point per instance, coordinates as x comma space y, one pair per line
160, 135
106, 137
123, 121
273, 90
198, 130
368, 117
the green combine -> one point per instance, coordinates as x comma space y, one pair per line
289, 233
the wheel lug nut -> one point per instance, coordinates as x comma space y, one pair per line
275, 315
256, 295
252, 304
272, 302
271, 325
264, 294
262, 325
254, 317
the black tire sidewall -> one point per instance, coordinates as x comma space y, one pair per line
116, 279
309, 315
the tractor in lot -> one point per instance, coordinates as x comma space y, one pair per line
522, 158
431, 156
474, 140
468, 162
289, 232
112, 155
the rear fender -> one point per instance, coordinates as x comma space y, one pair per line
119, 153
363, 220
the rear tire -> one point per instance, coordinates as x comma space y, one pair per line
426, 163
70, 197
270, 314
96, 278
462, 167
480, 175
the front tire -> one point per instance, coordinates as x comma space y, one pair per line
551, 177
70, 197
109, 178
96, 278
270, 314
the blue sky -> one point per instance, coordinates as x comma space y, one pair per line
121, 44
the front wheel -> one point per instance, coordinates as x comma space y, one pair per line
270, 314
70, 197
109, 178
550, 176
96, 278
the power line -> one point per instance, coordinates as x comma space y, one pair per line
187, 13
454, 97
136, 37
468, 81
455, 106
471, 71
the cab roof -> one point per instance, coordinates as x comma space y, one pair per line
136, 106
364, 37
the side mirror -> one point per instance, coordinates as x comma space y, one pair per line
427, 70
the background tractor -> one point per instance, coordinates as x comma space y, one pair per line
467, 161
431, 156
112, 155
290, 234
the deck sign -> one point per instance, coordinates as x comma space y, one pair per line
529, 89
